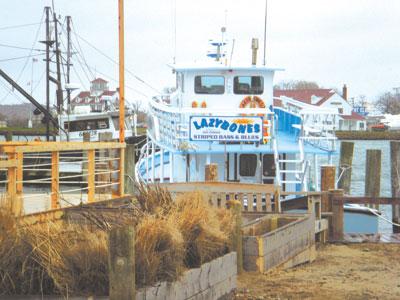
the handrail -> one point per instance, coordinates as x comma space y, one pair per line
213, 111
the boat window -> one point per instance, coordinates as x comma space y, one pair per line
247, 164
268, 165
244, 85
83, 125
116, 122
209, 84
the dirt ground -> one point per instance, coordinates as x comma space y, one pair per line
356, 271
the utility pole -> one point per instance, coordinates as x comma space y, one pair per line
57, 50
68, 60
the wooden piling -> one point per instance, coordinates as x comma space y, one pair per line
336, 226
130, 168
327, 183
237, 242
395, 174
121, 263
9, 136
346, 160
211, 172
373, 174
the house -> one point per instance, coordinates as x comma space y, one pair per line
3, 123
339, 112
99, 98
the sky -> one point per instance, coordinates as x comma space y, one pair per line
330, 42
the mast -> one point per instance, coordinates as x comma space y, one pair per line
47, 42
59, 87
121, 72
265, 31
68, 60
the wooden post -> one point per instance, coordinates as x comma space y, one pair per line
9, 136
121, 178
12, 187
211, 172
346, 160
86, 136
121, 263
327, 183
55, 157
130, 168
336, 227
277, 201
18, 203
237, 242
90, 177
395, 175
373, 174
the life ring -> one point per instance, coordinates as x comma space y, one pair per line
252, 101
257, 102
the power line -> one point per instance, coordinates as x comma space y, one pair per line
19, 26
80, 48
20, 57
115, 62
22, 48
30, 53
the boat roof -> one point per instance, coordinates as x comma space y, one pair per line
221, 67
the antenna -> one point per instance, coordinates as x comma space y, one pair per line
174, 24
265, 30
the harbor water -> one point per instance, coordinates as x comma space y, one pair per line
359, 223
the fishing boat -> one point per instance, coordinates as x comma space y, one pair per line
223, 113
73, 126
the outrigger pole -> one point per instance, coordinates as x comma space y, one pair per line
121, 71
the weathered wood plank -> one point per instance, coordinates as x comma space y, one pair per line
219, 187
61, 146
259, 206
10, 163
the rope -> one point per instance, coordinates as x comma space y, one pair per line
383, 218
344, 168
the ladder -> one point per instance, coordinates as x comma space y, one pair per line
298, 167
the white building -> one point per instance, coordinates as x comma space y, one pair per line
99, 98
340, 114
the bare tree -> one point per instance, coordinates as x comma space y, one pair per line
388, 103
136, 107
296, 85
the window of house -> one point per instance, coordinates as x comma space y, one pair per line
209, 84
361, 125
340, 110
247, 164
244, 85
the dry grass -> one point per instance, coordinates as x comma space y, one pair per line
201, 229
71, 259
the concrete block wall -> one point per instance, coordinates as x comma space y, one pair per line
212, 280
261, 253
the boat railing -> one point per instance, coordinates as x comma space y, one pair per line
171, 124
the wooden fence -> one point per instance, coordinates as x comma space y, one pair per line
100, 164
253, 197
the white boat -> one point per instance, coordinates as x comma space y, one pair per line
74, 125
223, 113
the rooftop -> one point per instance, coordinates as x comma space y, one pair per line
305, 95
